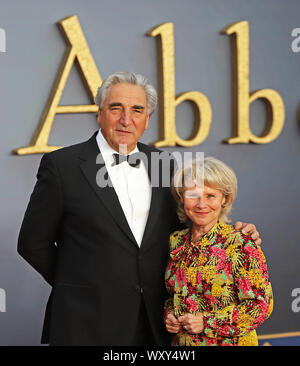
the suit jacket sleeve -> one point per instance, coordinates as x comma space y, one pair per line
40, 227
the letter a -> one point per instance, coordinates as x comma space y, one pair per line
77, 49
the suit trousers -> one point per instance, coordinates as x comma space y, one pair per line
143, 334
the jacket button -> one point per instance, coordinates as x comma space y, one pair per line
138, 289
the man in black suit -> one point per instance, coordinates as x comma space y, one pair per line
103, 247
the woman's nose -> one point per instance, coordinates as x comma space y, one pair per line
201, 202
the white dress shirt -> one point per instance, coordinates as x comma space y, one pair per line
132, 187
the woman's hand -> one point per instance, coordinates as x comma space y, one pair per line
172, 324
193, 324
249, 229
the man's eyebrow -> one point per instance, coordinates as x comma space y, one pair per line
138, 107
118, 104
115, 104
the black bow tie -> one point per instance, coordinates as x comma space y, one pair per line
133, 159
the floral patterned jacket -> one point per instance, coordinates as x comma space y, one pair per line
224, 276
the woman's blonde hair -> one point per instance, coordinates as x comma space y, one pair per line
214, 173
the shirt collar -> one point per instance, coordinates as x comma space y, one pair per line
106, 149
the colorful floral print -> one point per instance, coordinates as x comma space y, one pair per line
224, 276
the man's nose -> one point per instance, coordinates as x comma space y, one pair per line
125, 119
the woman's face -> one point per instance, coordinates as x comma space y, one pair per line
203, 206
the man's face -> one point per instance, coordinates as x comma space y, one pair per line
124, 116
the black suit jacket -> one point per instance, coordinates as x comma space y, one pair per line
75, 234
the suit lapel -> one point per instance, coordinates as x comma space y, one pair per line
90, 168
155, 200
152, 218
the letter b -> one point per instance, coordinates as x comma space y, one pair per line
169, 102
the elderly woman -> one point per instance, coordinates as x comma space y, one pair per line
216, 277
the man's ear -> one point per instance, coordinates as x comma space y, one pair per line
147, 122
99, 116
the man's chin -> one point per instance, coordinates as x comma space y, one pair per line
126, 145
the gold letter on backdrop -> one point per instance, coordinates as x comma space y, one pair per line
241, 99
77, 49
168, 100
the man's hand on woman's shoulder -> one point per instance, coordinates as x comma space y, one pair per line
248, 229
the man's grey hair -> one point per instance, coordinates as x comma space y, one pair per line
129, 78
